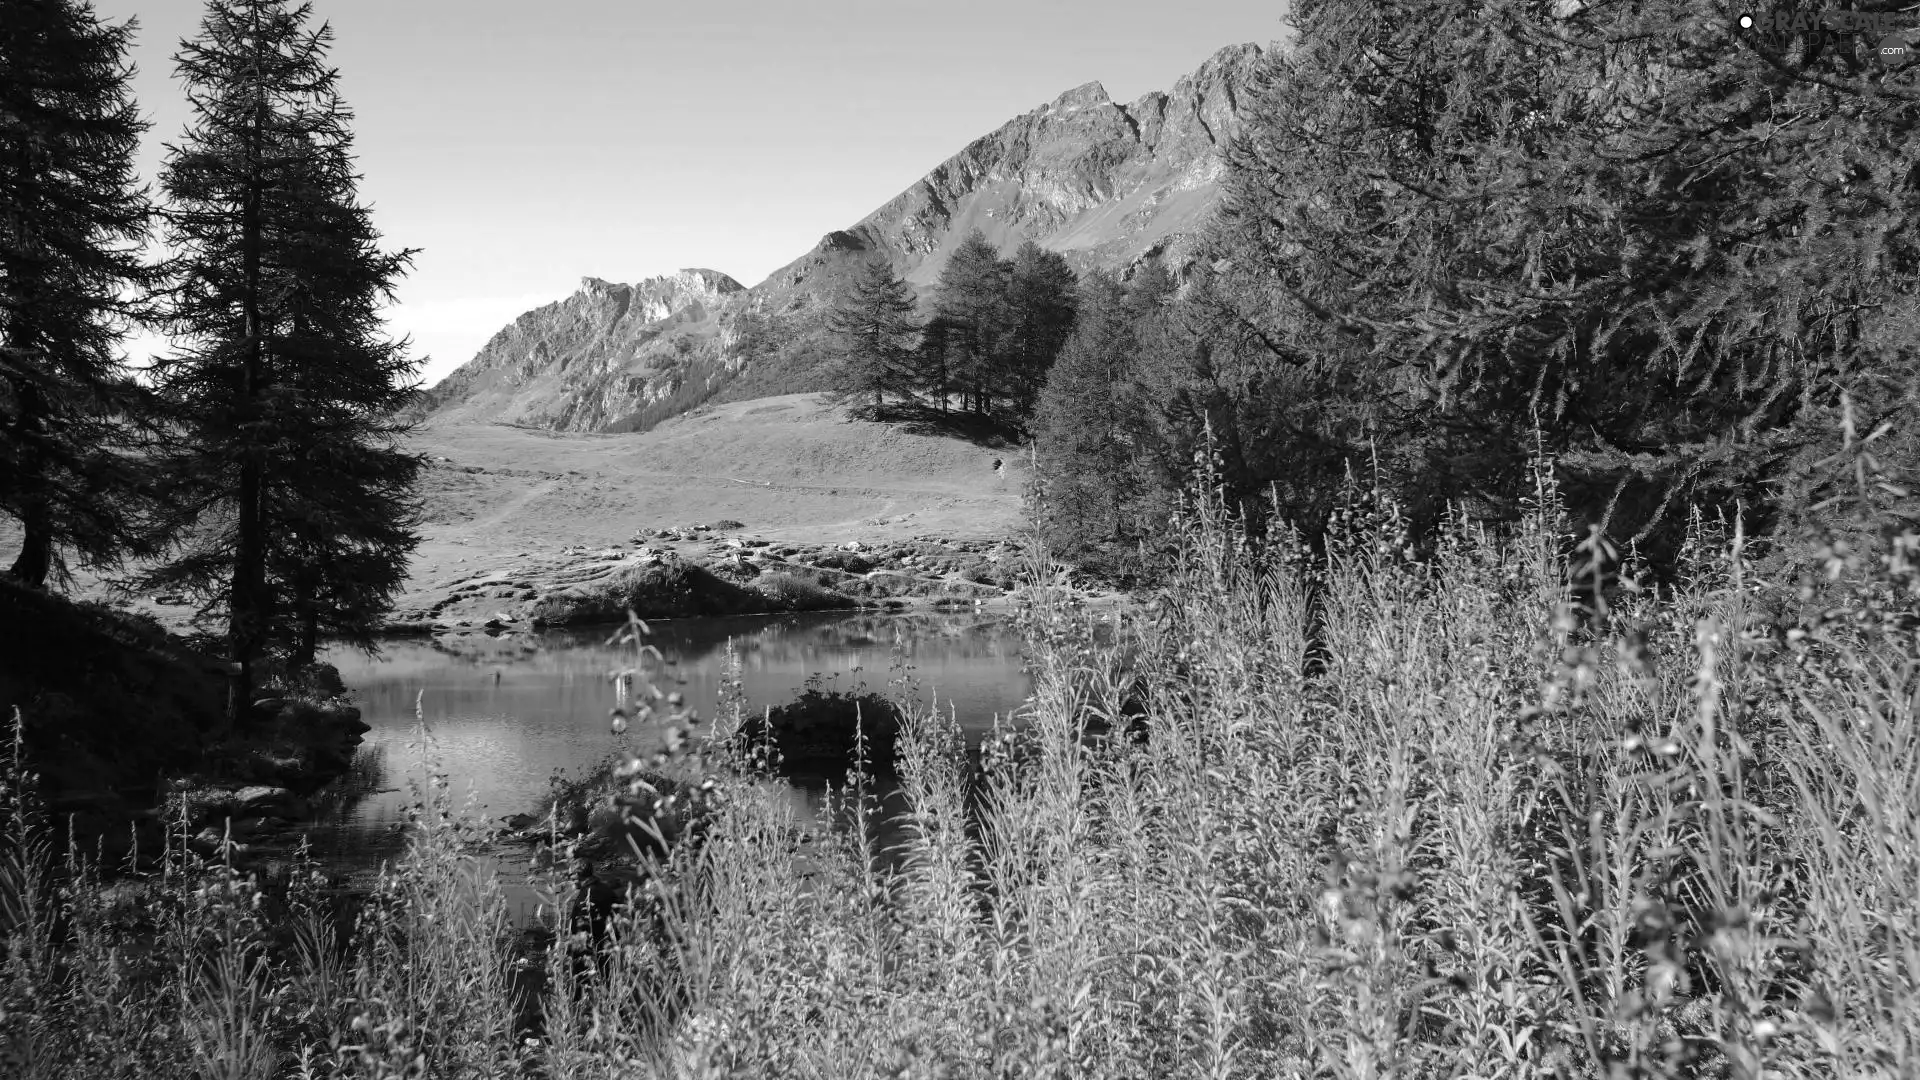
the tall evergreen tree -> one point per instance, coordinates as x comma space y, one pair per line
1086, 431
1041, 289
341, 553
71, 222
873, 324
297, 502
969, 325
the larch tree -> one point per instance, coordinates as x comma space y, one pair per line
1666, 249
1085, 429
875, 329
72, 220
296, 502
969, 322
1041, 295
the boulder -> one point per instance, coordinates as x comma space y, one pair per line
261, 800
848, 561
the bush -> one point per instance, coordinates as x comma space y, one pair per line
786, 591
848, 561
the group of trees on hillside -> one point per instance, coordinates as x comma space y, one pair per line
254, 465
1461, 233
984, 349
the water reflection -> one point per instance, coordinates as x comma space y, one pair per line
500, 729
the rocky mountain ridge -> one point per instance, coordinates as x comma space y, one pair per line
567, 365
1104, 184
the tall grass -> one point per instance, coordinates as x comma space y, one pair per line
1492, 810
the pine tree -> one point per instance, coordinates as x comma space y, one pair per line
71, 221
1041, 289
970, 322
299, 499
873, 325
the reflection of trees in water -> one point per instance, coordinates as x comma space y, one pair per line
333, 806
959, 636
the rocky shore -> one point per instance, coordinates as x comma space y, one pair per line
700, 570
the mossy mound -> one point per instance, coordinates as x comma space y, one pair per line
815, 733
110, 701
674, 588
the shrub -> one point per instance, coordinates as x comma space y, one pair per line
786, 591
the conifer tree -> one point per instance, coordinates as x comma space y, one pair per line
1084, 430
1041, 290
1669, 249
71, 222
297, 503
969, 326
873, 325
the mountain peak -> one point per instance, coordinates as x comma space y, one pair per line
1081, 97
1232, 56
697, 277
1101, 183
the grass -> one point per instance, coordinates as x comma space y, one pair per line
787, 591
1390, 818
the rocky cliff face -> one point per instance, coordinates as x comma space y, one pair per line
601, 354
1100, 182
1105, 184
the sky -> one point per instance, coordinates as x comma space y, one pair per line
522, 146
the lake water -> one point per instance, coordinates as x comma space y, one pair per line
500, 729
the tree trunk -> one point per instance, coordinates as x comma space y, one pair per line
245, 608
36, 552
36, 546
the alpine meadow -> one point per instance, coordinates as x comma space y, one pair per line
1447, 476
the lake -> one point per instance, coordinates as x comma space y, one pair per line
501, 728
